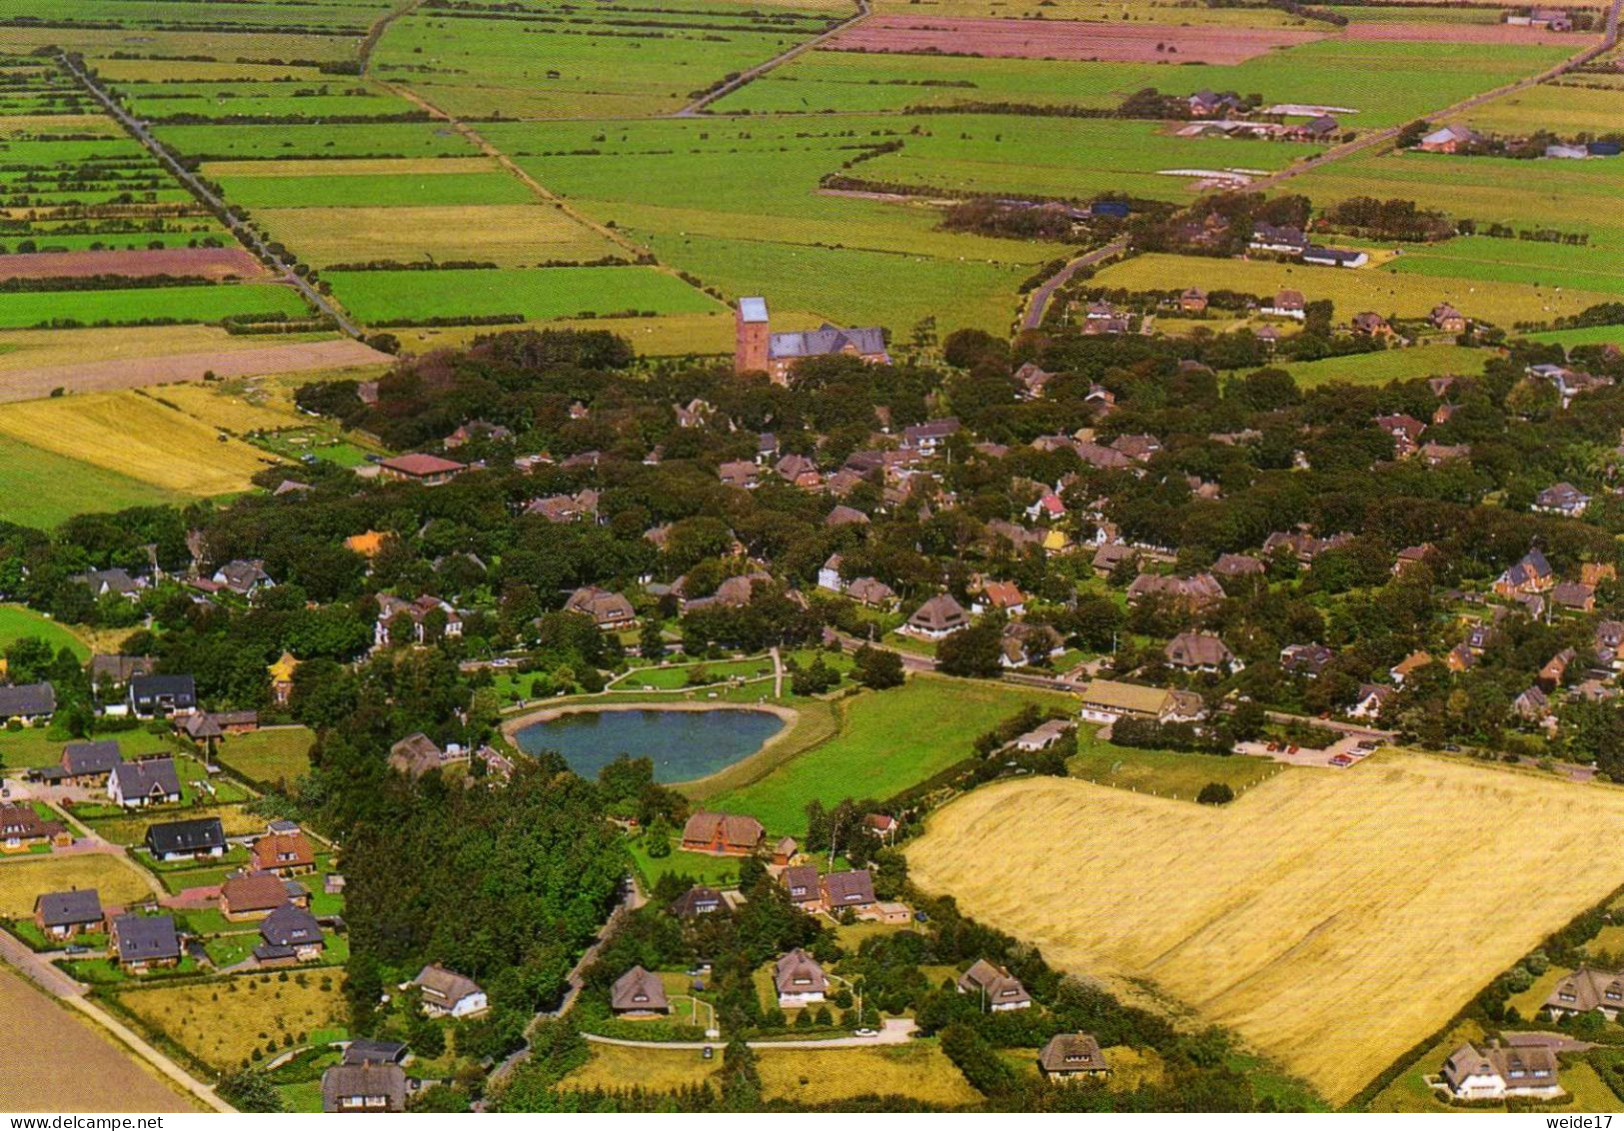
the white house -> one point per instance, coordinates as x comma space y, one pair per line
829, 575
1495, 1072
449, 994
800, 980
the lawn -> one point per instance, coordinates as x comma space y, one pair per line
269, 756
1165, 773
376, 190
383, 297
21, 880
132, 828
42, 746
888, 741
223, 1021
713, 871
1389, 365
180, 304
17, 622
1293, 906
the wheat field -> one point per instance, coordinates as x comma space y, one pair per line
1332, 918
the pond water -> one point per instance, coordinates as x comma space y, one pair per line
683, 744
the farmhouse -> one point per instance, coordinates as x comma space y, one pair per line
1334, 257
363, 1087
150, 782
64, 914
1447, 319
1587, 990
939, 617
758, 350
448, 994
721, 834
1200, 652
1072, 1056
27, 703
607, 610
1106, 701
196, 839
638, 993
800, 981
420, 468
1495, 1072
998, 991
1281, 240
141, 943
1287, 304
1449, 139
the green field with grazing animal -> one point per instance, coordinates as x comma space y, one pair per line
383, 297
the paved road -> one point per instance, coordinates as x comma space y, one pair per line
249, 238
697, 106
1039, 302
896, 1031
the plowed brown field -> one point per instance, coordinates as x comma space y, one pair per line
203, 262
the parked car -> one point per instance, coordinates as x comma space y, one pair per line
865, 1033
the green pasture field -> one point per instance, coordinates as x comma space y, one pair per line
17, 622
1165, 773
1569, 196
376, 191
43, 489
119, 241
888, 741
1390, 365
1517, 261
1417, 13
509, 235
328, 97
1388, 83
533, 68
270, 755
185, 304
381, 139
1585, 336
327, 15
558, 292
1379, 289
1566, 107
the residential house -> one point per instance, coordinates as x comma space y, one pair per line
363, 1087
1112, 555
417, 467
1587, 990
995, 987
783, 853
1193, 301
799, 979
1533, 705
371, 1050
829, 575
111, 582
111, 675
1071, 1056
285, 854
999, 596
1302, 545
741, 473
939, 617
418, 616
1033, 380
281, 675
1530, 575
27, 703
1449, 139
1434, 454
638, 993
1192, 594
928, 437
1288, 304
1498, 1072
1201, 652
65, 914
417, 754
607, 610
140, 943
244, 578
842, 515
1446, 319
1022, 643
1411, 557
565, 509
1306, 660
853, 890
89, 764
1281, 240
477, 430
1556, 669
801, 882
201, 838
696, 901
22, 828
251, 895
1138, 447
1372, 697
289, 934
1106, 701
152, 781
154, 695
722, 834
1372, 325
1563, 499
1460, 658
871, 592
1232, 567
1408, 666
449, 994
1574, 596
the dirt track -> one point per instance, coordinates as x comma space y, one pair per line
132, 373
206, 262
1074, 40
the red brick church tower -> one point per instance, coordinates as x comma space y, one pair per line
751, 337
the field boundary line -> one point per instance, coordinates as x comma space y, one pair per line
376, 32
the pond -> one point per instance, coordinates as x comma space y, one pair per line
684, 745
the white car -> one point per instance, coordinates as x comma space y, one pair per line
865, 1033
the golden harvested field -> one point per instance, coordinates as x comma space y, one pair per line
80, 125
920, 1070
35, 349
248, 405
223, 1022
1332, 919
138, 437
1368, 288
22, 879
509, 235
57, 1060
